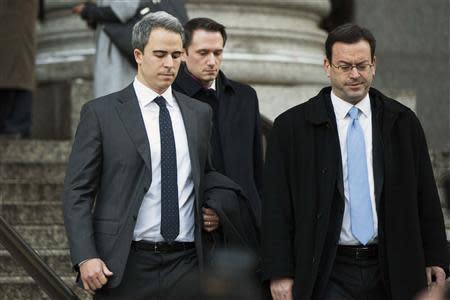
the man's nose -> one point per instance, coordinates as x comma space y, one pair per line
354, 72
168, 61
211, 60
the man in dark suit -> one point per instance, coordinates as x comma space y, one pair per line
236, 137
351, 209
132, 193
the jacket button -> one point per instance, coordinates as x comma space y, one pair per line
318, 216
314, 260
324, 170
145, 189
134, 217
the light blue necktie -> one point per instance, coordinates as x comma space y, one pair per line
358, 182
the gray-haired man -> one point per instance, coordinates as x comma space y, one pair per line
141, 155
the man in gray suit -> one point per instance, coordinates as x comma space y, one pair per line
132, 193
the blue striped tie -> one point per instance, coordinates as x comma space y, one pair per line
358, 182
170, 221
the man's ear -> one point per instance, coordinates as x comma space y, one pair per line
326, 66
374, 62
138, 56
185, 55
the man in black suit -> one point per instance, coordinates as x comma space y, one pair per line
351, 209
132, 198
236, 137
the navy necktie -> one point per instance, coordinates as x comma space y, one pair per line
170, 222
358, 181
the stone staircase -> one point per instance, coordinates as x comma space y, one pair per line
31, 178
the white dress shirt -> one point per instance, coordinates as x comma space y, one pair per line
148, 223
341, 109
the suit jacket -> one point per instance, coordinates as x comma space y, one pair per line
303, 198
238, 125
109, 172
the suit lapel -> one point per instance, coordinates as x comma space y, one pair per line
336, 145
225, 127
377, 150
131, 116
321, 115
190, 124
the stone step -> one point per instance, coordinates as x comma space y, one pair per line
43, 236
40, 172
58, 260
25, 288
32, 151
34, 213
26, 192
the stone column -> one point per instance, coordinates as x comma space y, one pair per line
276, 46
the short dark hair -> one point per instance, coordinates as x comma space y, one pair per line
349, 33
205, 24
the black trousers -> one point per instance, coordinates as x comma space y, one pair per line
15, 112
150, 275
355, 279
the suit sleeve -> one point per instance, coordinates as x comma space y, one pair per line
81, 185
277, 220
431, 218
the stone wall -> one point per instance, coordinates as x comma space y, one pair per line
274, 45
413, 57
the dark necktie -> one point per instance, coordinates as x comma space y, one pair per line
170, 223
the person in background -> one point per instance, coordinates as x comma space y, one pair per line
17, 61
112, 71
236, 138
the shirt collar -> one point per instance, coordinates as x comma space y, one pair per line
146, 95
341, 107
213, 85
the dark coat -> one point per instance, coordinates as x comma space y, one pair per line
303, 198
237, 222
110, 165
239, 129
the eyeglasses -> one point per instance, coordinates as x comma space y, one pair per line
345, 68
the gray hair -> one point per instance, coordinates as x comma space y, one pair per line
160, 19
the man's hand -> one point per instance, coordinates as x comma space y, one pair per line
210, 219
78, 9
439, 275
281, 288
94, 273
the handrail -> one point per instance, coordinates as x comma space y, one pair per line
35, 266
